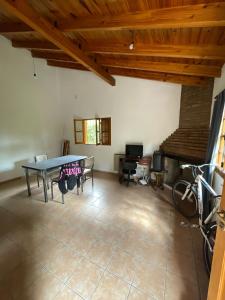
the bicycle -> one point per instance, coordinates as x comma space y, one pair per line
188, 199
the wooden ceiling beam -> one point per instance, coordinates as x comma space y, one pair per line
181, 79
170, 67
28, 15
142, 64
197, 15
34, 44
14, 28
166, 77
51, 55
66, 64
212, 52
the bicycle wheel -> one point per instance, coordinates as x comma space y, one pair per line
188, 206
207, 253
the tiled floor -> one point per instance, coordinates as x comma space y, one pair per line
111, 242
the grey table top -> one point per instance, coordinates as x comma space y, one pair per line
53, 163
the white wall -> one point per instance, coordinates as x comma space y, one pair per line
141, 110
219, 83
30, 112
219, 86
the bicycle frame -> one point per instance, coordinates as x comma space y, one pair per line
200, 182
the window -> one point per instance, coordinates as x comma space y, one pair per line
93, 131
221, 146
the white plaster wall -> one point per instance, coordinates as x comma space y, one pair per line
219, 83
30, 111
142, 111
219, 86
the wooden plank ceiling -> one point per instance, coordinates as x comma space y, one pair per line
180, 41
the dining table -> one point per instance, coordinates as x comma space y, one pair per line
45, 166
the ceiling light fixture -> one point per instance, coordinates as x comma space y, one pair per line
133, 40
131, 46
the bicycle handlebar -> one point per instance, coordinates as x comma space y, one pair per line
196, 166
185, 166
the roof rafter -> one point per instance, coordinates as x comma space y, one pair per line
166, 77
142, 64
161, 50
170, 67
140, 49
29, 16
17, 27
34, 44
197, 15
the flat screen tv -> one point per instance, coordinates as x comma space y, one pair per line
134, 151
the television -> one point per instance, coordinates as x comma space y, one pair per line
134, 151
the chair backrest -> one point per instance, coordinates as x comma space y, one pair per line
89, 162
40, 157
129, 166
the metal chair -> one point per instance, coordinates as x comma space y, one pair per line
39, 158
88, 170
67, 183
55, 180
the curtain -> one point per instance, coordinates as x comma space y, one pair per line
212, 143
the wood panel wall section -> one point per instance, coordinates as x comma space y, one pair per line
179, 41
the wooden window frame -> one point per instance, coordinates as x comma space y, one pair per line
105, 131
78, 131
100, 133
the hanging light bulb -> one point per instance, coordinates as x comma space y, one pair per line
131, 46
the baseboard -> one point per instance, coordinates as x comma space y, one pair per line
106, 172
11, 180
167, 186
22, 177
166, 193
